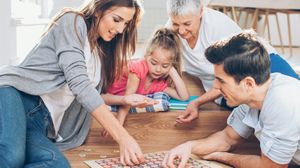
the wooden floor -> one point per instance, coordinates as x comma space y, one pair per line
158, 132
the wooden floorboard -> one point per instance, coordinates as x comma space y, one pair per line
155, 132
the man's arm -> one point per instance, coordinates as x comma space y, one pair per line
245, 161
221, 141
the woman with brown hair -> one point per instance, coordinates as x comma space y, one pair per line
49, 97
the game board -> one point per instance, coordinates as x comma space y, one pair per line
153, 160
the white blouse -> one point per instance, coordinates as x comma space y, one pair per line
59, 100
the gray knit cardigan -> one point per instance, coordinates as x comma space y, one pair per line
58, 59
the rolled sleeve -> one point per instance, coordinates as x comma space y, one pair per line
278, 150
235, 120
280, 134
78, 81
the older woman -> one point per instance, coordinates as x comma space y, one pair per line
199, 27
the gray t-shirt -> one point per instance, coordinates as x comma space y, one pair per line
277, 124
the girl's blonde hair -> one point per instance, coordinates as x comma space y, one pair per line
113, 54
167, 39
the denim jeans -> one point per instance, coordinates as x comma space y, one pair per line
24, 122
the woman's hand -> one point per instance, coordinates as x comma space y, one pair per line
136, 100
130, 152
189, 114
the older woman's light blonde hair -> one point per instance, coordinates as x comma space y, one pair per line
183, 7
113, 54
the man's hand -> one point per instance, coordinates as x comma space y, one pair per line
214, 156
190, 113
181, 152
136, 100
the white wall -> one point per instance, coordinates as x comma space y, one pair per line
155, 15
17, 36
57, 5
21, 29
7, 37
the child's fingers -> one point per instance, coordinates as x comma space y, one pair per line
151, 101
145, 102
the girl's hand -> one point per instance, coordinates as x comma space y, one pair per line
179, 90
172, 71
136, 100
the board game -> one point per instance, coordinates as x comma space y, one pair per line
153, 160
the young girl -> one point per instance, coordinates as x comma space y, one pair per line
51, 95
158, 71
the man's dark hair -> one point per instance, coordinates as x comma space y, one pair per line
242, 55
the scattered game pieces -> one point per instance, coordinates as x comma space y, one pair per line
82, 154
153, 160
103, 156
116, 151
88, 150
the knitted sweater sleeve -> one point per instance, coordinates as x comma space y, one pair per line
69, 34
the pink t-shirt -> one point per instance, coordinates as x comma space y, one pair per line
140, 68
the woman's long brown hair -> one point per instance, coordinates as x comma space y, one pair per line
113, 54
